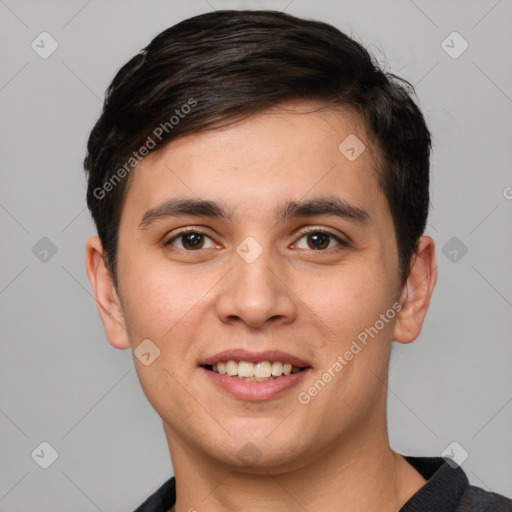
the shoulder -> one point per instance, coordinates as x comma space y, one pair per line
161, 500
448, 489
476, 499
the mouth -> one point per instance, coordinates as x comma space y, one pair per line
261, 371
254, 376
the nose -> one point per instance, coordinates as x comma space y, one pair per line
256, 292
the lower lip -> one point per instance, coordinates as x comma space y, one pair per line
254, 390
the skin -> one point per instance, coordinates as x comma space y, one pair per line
333, 453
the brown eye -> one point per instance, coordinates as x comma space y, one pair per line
320, 240
190, 240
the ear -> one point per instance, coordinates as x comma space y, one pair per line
416, 293
105, 294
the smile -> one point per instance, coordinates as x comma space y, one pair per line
261, 371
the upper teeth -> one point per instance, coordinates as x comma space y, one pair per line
263, 369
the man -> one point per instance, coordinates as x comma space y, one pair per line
261, 190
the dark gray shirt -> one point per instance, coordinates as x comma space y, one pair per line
447, 490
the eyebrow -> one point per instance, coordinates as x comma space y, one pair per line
333, 206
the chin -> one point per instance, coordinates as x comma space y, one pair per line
253, 461
260, 455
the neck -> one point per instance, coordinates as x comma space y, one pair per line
365, 474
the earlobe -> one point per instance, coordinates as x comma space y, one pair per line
417, 292
105, 294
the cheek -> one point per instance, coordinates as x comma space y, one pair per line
148, 308
347, 296
157, 296
174, 310
163, 306
346, 307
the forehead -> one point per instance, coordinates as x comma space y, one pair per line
285, 153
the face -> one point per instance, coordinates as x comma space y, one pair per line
287, 258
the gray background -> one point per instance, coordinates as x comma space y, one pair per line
60, 380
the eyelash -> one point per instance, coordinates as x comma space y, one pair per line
342, 243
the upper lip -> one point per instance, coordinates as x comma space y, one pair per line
240, 354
